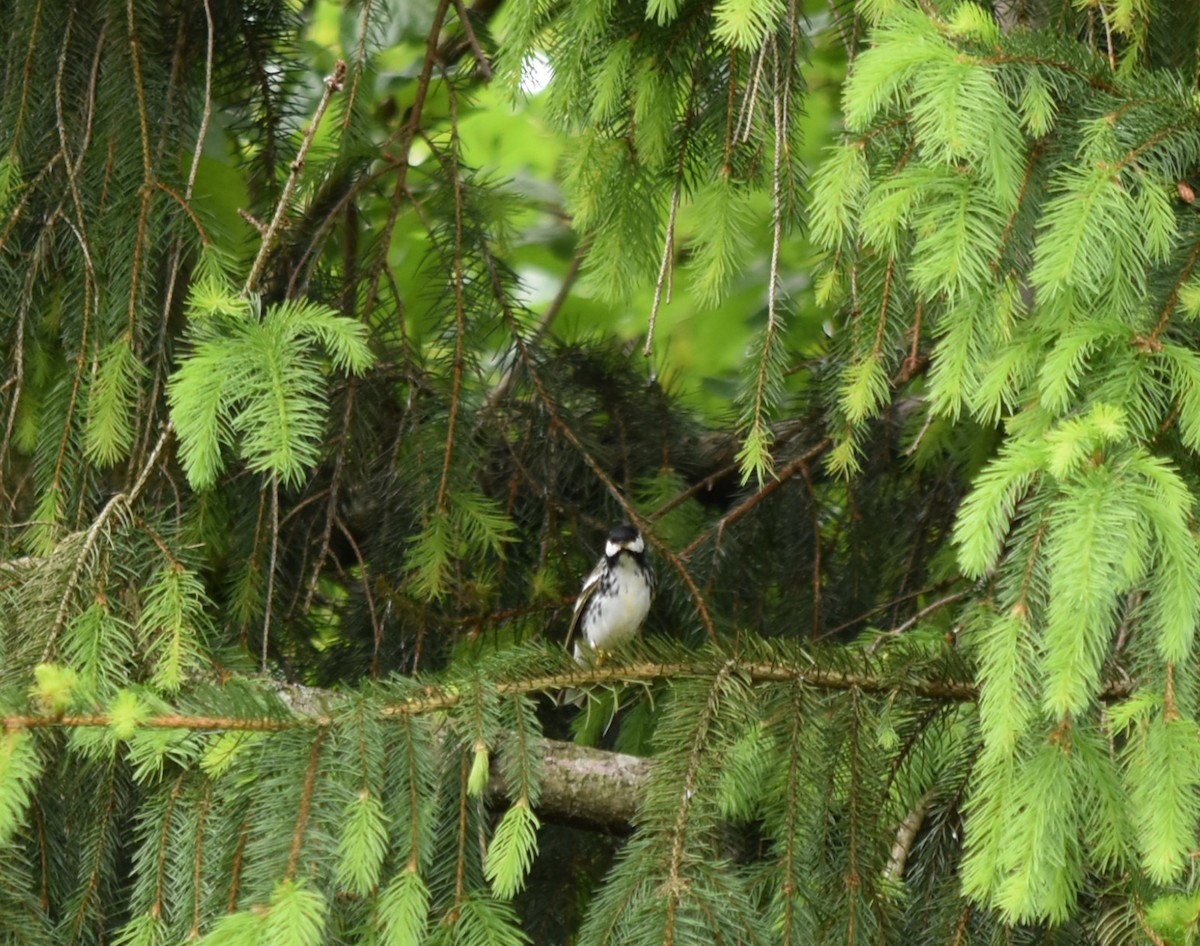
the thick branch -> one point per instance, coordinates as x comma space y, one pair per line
589, 788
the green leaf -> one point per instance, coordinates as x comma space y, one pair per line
345, 340
145, 929
754, 457
430, 556
296, 916
480, 770
610, 86
260, 385
126, 713
746, 24
1042, 853
100, 648
1008, 655
54, 687
903, 44
1075, 246
1174, 917
244, 928
1166, 504
19, 771
1183, 370
1163, 772
1037, 105
362, 844
173, 615
839, 189
722, 243
512, 850
483, 920
201, 409
864, 390
986, 514
403, 910
112, 401
223, 750
1087, 581
745, 774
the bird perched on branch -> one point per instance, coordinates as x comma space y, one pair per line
615, 597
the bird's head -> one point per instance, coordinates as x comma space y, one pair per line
624, 538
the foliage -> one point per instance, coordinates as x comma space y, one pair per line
320, 394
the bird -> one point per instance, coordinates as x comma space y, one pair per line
615, 597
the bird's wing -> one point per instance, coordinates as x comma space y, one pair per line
590, 584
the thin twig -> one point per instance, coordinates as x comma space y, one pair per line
746, 115
792, 468
332, 493
481, 60
333, 85
504, 385
919, 616
1108, 40
206, 115
407, 136
365, 577
664, 269
360, 55
89, 542
460, 316
271, 568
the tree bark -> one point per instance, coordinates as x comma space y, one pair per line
585, 787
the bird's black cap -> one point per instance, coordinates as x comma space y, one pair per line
622, 533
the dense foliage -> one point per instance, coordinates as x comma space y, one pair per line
334, 340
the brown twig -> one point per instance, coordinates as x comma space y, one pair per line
791, 469
333, 85
310, 782
481, 60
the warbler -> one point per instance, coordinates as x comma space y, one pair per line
615, 597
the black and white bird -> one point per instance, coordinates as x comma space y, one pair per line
615, 597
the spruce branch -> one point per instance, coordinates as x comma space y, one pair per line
408, 135
333, 85
676, 884
305, 809
436, 699
1164, 315
460, 314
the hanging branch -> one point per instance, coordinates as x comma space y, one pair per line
333, 85
407, 136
